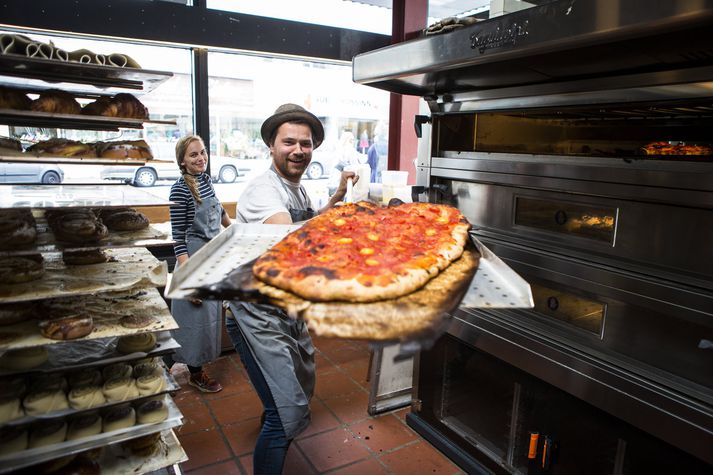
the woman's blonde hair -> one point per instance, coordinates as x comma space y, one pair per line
181, 147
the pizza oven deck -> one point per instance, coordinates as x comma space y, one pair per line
544, 149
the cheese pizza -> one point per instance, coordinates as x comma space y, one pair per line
362, 252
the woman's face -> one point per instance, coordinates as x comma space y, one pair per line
196, 158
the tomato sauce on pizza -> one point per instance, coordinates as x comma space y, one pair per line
363, 252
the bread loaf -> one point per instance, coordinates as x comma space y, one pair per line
20, 269
151, 412
129, 220
86, 397
57, 102
14, 99
142, 342
84, 257
84, 425
44, 402
67, 328
120, 389
47, 433
24, 358
122, 105
59, 147
124, 149
119, 417
13, 439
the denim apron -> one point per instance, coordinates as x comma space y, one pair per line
199, 331
283, 350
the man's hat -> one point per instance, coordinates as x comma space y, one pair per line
290, 113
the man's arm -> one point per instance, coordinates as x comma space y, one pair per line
341, 190
279, 218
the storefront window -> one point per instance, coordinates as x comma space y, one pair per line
170, 101
373, 16
244, 90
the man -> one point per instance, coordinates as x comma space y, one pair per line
277, 352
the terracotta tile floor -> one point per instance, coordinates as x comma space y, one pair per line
220, 429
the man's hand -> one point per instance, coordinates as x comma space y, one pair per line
342, 188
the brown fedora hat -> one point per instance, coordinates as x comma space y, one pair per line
291, 113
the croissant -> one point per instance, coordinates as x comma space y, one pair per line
56, 101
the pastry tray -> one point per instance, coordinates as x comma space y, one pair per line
151, 236
495, 285
106, 310
29, 118
89, 353
76, 196
170, 386
28, 457
131, 268
118, 461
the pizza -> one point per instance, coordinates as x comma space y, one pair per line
668, 148
363, 252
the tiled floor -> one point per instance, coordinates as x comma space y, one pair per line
220, 429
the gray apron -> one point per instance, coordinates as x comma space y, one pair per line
283, 350
199, 331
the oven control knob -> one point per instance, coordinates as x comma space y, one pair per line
552, 303
560, 217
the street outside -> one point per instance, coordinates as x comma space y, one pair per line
226, 192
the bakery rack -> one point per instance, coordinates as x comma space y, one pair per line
35, 75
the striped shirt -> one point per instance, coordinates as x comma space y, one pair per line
183, 212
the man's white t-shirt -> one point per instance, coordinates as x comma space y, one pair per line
269, 194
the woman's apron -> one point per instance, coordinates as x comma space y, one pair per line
199, 331
283, 350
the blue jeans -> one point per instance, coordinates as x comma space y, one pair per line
271, 447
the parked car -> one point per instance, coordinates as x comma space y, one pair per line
223, 170
21, 172
322, 163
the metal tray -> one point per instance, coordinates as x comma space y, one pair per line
129, 268
494, 285
105, 309
28, 457
118, 461
171, 386
90, 353
45, 242
25, 118
76, 196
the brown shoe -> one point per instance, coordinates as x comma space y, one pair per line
204, 383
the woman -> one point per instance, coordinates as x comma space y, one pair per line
195, 219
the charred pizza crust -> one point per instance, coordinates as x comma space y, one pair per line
419, 314
364, 253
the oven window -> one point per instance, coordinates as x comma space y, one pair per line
569, 308
575, 219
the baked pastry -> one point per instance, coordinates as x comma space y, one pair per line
86, 397
84, 257
150, 384
151, 412
138, 343
86, 377
44, 402
147, 369
128, 220
144, 446
121, 105
57, 102
136, 321
103, 106
120, 389
67, 328
13, 439
11, 313
63, 148
10, 144
48, 432
77, 226
48, 382
20, 269
117, 370
23, 358
10, 408
14, 99
84, 425
119, 417
136, 149
13, 386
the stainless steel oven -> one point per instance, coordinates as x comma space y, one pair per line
576, 137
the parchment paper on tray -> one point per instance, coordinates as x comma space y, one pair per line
106, 310
420, 315
128, 268
46, 241
99, 352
